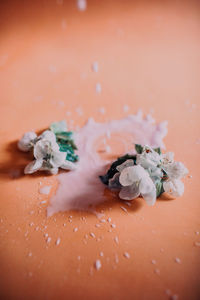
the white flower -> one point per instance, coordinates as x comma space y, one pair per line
26, 142
48, 135
33, 166
127, 163
114, 181
135, 181
148, 159
175, 170
47, 150
48, 157
167, 158
175, 187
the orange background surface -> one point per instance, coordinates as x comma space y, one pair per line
149, 58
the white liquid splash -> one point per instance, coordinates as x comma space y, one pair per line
80, 189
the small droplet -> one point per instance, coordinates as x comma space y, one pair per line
45, 190
168, 292
126, 108
101, 253
157, 271
174, 297
48, 240
81, 5
103, 221
177, 260
95, 66
79, 111
123, 208
92, 234
102, 110
153, 261
58, 241
43, 202
116, 258
197, 244
75, 229
98, 88
126, 255
97, 264
116, 239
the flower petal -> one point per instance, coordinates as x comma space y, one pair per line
41, 148
48, 135
175, 170
148, 158
127, 163
168, 157
129, 192
24, 143
33, 166
68, 165
130, 175
57, 158
44, 147
150, 197
114, 182
146, 185
175, 187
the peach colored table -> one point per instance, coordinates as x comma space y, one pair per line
148, 54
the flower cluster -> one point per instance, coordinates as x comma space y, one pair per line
53, 149
149, 173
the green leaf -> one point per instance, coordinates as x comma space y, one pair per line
138, 148
159, 188
71, 157
64, 148
158, 150
64, 140
58, 126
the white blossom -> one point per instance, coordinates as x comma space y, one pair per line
47, 156
135, 180
48, 135
148, 159
167, 158
26, 142
175, 170
175, 187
